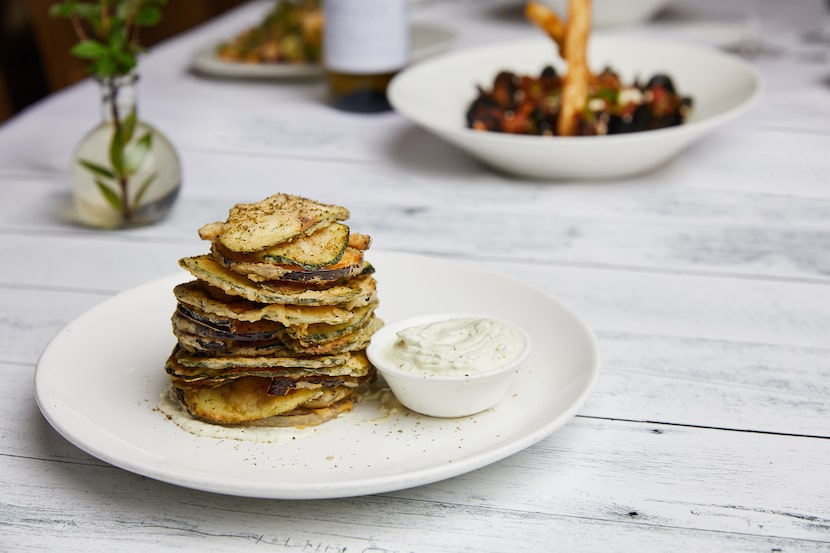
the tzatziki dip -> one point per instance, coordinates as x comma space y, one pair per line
456, 347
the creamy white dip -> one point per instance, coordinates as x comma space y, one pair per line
459, 346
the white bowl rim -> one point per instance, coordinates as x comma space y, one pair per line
388, 331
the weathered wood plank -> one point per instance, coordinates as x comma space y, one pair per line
642, 226
590, 483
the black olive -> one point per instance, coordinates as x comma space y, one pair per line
548, 72
504, 88
668, 120
638, 121
479, 109
663, 81
471, 117
541, 122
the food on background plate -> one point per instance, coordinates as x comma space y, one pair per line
578, 102
273, 329
292, 32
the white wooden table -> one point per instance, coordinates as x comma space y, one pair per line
707, 283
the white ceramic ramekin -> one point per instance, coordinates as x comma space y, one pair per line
442, 395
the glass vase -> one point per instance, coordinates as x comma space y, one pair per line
125, 173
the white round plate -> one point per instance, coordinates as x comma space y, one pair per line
99, 381
436, 94
615, 13
427, 40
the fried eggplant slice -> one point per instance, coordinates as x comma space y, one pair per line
241, 401
289, 360
191, 319
285, 315
186, 367
304, 416
349, 265
218, 346
207, 270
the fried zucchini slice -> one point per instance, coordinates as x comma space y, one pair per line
322, 332
319, 249
274, 220
357, 340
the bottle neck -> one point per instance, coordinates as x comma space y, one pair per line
118, 96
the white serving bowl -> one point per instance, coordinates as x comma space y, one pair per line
443, 395
435, 95
615, 13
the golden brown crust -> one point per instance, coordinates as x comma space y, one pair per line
273, 331
241, 401
246, 401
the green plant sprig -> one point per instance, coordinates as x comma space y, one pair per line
108, 37
108, 31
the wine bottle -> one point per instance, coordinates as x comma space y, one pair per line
365, 43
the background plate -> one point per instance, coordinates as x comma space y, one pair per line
99, 381
427, 40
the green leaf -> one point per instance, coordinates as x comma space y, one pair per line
90, 11
63, 9
135, 154
123, 10
117, 39
109, 194
97, 169
124, 61
143, 188
147, 16
112, 46
104, 67
128, 125
89, 49
117, 153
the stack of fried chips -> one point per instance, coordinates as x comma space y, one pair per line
273, 330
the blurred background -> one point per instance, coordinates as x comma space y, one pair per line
34, 48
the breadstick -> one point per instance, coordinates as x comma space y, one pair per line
547, 20
575, 85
